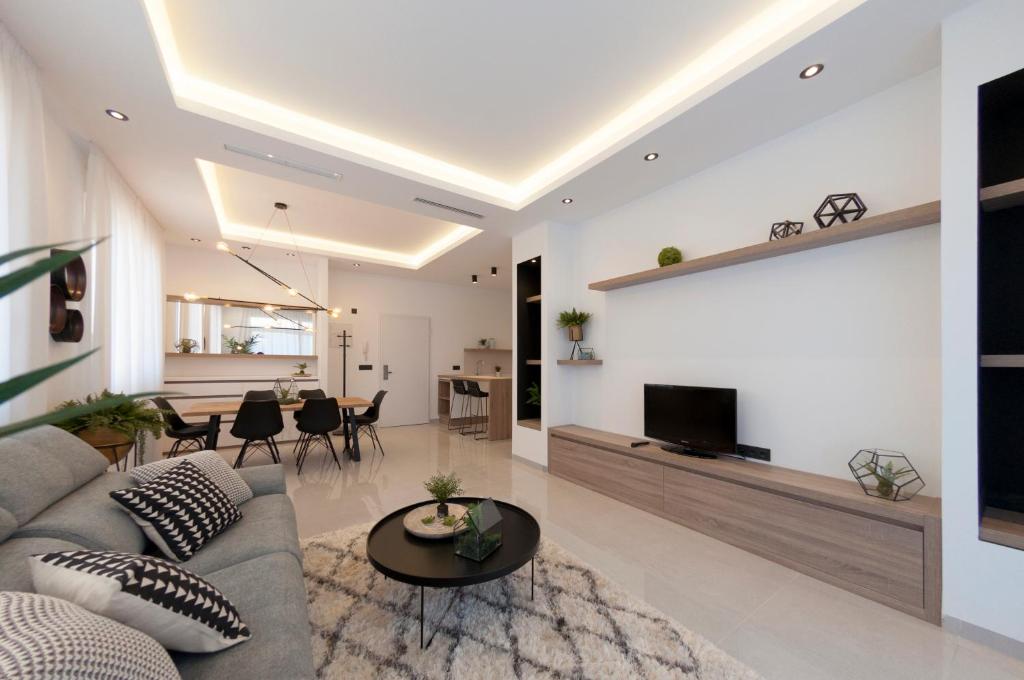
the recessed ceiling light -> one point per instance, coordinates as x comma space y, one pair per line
534, 261
117, 115
651, 156
474, 279
567, 200
196, 240
811, 71
356, 264
494, 271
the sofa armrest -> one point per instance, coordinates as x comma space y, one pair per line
264, 479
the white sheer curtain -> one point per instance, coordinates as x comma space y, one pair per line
23, 221
133, 311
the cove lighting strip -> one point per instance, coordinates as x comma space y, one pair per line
782, 24
247, 233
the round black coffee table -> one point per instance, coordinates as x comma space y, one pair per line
432, 563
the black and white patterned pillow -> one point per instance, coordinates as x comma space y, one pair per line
180, 510
177, 608
46, 637
210, 462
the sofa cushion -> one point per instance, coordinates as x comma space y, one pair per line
267, 527
270, 595
7, 524
264, 479
44, 637
212, 465
41, 466
177, 608
180, 511
90, 518
15, 572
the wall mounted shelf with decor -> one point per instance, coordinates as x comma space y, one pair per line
1005, 195
580, 362
897, 220
534, 298
486, 349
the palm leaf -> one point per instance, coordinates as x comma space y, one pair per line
20, 277
26, 381
73, 412
28, 251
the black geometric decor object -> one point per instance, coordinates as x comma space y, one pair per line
841, 208
784, 229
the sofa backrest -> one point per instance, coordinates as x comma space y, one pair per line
38, 467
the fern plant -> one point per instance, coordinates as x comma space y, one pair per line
573, 318
19, 384
131, 417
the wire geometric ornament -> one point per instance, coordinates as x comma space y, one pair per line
839, 207
785, 228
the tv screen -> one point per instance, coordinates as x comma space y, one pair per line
697, 419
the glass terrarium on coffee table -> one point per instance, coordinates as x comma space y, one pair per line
483, 531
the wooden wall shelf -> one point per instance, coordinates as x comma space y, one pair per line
533, 362
999, 196
580, 362
1002, 361
897, 220
534, 298
532, 423
486, 349
820, 526
226, 355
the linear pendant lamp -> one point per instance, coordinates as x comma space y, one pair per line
335, 312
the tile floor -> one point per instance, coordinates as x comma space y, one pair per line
782, 623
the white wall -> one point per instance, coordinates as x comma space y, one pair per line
459, 316
831, 350
981, 581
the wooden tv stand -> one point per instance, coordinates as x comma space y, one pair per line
821, 526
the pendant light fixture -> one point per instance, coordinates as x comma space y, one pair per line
292, 291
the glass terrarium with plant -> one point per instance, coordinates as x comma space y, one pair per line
441, 488
483, 531
886, 474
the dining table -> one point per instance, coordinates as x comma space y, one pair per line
217, 409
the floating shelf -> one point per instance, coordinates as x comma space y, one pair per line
1002, 361
580, 362
533, 362
897, 220
486, 349
999, 196
1004, 527
532, 423
533, 298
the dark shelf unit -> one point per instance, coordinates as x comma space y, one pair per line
528, 315
1000, 312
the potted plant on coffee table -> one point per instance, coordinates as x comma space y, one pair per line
441, 488
115, 429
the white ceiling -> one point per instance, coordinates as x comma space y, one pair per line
495, 86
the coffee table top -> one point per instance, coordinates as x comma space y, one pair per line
399, 555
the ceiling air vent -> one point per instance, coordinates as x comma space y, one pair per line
452, 208
294, 165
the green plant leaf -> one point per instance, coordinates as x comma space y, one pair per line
73, 412
26, 381
20, 277
4, 259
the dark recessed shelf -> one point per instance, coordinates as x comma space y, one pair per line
533, 362
532, 423
999, 196
533, 298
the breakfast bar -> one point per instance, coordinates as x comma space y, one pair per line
499, 389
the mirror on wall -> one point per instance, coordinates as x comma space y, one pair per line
215, 326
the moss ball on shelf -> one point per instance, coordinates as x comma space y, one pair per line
669, 255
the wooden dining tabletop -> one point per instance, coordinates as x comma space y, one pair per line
224, 408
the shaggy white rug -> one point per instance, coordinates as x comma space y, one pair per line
579, 625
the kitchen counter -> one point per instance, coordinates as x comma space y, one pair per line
498, 422
478, 378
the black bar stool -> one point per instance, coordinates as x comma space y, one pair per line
186, 437
480, 400
256, 423
367, 421
317, 420
459, 387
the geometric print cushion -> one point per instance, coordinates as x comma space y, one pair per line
46, 637
210, 462
180, 510
177, 608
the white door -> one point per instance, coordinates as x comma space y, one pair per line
405, 369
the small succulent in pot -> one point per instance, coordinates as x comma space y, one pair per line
301, 368
186, 346
441, 488
669, 255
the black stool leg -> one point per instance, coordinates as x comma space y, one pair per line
485, 424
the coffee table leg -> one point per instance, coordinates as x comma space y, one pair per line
421, 617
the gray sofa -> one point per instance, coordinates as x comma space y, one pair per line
54, 496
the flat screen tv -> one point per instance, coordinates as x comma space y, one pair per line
698, 421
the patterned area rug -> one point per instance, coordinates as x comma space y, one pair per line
579, 625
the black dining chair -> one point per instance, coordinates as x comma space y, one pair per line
309, 394
479, 409
367, 420
186, 437
317, 420
260, 395
256, 424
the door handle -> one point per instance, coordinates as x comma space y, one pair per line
387, 372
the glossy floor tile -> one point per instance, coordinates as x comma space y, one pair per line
782, 623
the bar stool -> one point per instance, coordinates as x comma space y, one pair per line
459, 386
481, 400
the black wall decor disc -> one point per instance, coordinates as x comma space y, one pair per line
784, 229
840, 208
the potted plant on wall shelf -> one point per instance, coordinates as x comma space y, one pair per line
113, 429
186, 346
301, 366
574, 322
